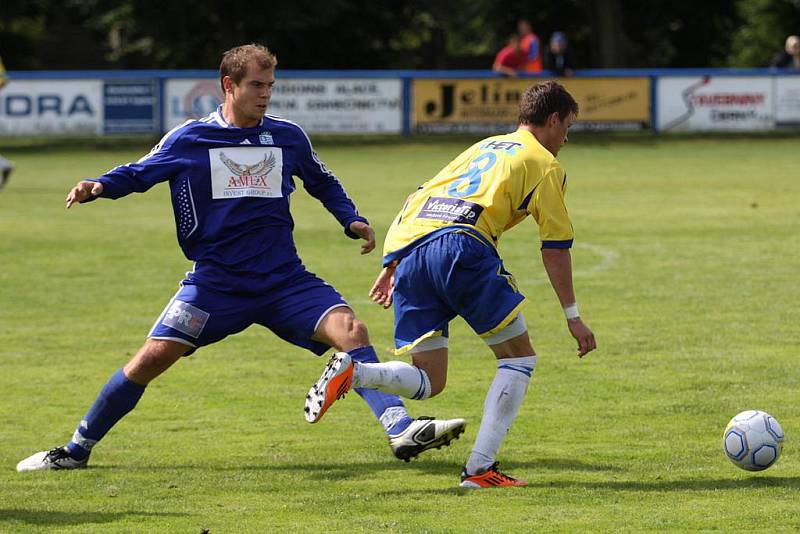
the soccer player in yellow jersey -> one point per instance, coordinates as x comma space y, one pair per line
440, 260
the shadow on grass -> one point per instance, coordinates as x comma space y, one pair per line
437, 467
628, 486
348, 470
678, 485
35, 517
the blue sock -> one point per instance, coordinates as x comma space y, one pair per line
389, 409
117, 398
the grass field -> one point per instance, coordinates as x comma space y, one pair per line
686, 266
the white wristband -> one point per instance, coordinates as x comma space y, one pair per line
571, 311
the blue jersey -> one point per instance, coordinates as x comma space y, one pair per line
230, 195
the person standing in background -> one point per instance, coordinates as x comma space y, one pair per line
529, 43
789, 58
510, 59
5, 166
559, 56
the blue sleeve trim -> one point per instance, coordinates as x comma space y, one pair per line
557, 244
524, 205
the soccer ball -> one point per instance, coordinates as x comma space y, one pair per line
753, 440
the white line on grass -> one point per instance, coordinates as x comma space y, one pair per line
607, 258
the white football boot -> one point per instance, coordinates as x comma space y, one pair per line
423, 434
57, 458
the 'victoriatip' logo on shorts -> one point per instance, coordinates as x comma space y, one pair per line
185, 318
451, 210
246, 172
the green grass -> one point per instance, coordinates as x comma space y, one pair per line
686, 265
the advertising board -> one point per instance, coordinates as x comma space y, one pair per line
715, 103
51, 107
325, 105
491, 105
131, 107
787, 101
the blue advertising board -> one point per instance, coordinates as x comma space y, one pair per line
131, 107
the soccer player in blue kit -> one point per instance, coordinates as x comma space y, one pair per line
230, 175
440, 260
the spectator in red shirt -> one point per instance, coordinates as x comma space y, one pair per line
529, 43
510, 59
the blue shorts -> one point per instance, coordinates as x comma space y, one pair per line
454, 274
198, 315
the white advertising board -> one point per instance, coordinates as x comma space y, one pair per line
324, 105
711, 103
51, 107
190, 99
787, 100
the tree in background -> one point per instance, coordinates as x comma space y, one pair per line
766, 25
667, 33
401, 34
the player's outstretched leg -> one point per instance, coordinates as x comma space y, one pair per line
393, 377
407, 437
410, 439
118, 397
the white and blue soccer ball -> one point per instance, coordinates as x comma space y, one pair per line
753, 440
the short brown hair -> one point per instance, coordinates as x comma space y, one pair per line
542, 100
234, 61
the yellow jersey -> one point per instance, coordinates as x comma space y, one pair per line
489, 188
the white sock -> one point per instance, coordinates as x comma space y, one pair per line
502, 403
395, 377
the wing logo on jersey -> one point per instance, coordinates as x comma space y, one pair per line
259, 169
246, 172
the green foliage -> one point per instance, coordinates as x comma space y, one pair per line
686, 267
664, 33
766, 25
403, 34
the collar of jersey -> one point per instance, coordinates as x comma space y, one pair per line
222, 122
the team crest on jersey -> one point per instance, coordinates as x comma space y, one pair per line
265, 138
246, 172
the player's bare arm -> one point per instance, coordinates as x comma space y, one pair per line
83, 191
558, 264
383, 288
365, 232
